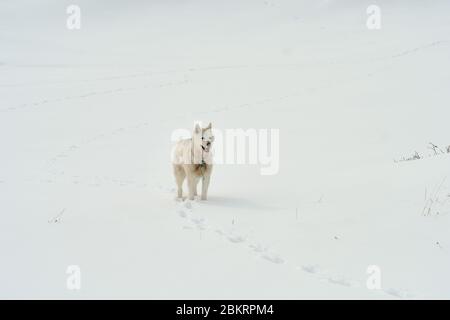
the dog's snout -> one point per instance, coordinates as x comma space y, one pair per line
208, 143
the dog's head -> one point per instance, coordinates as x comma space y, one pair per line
207, 137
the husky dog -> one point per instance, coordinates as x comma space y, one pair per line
193, 160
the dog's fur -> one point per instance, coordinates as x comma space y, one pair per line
193, 160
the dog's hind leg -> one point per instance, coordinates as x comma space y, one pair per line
180, 175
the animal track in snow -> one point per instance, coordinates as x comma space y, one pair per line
258, 247
311, 268
182, 213
44, 101
186, 211
340, 280
402, 294
317, 271
272, 258
236, 238
199, 223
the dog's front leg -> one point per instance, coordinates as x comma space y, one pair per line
205, 185
191, 186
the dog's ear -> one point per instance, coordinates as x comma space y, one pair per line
197, 129
209, 126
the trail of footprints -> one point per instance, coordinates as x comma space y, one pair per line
186, 210
85, 95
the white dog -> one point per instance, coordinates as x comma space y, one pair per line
193, 160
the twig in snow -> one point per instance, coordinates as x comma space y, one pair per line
57, 218
435, 148
320, 199
433, 199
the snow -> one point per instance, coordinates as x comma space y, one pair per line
86, 118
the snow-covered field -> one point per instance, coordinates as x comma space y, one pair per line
86, 118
